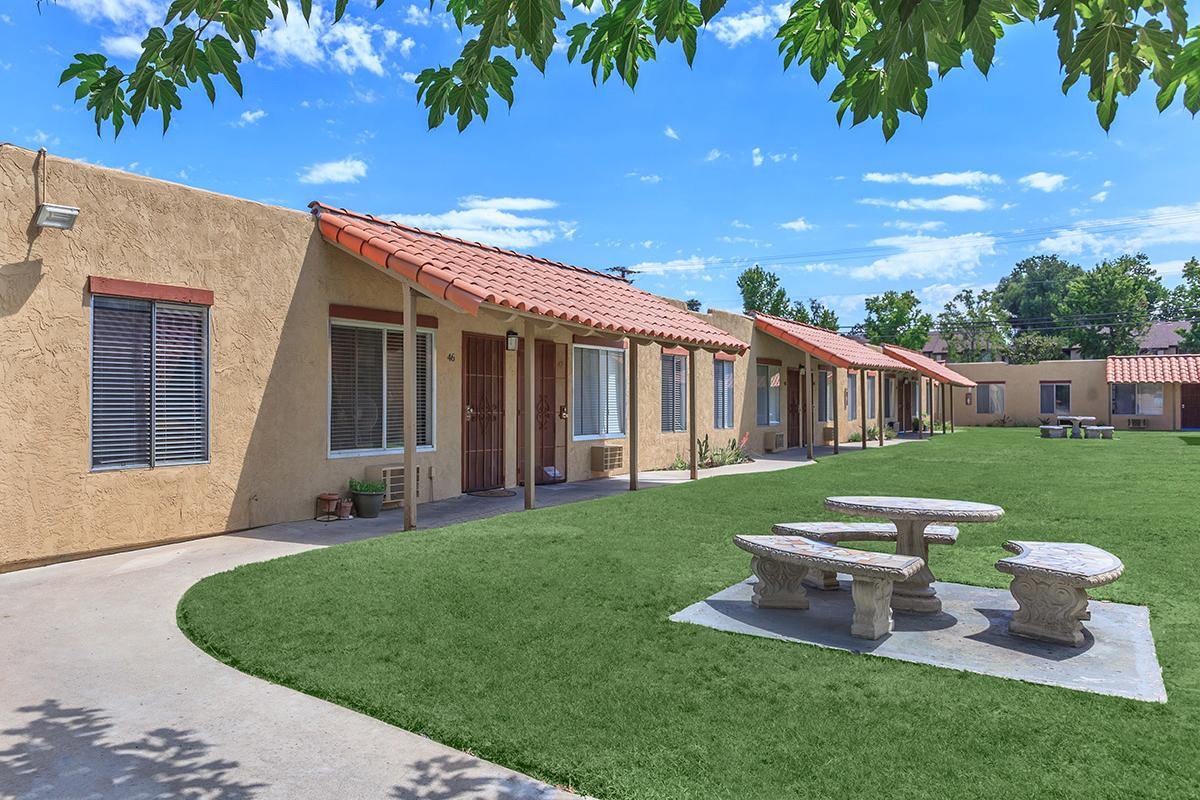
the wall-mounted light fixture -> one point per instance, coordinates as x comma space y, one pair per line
511, 341
968, 397
50, 215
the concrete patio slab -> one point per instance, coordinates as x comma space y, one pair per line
970, 634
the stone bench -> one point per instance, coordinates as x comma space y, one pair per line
780, 563
837, 532
1050, 583
1053, 431
1098, 432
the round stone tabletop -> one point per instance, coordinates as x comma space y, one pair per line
916, 508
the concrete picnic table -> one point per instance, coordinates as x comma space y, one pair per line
911, 515
1076, 423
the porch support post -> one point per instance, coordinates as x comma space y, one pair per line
634, 422
408, 402
692, 429
942, 392
917, 416
952, 408
862, 404
809, 426
929, 394
837, 410
879, 403
530, 409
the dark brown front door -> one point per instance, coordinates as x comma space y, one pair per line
550, 398
483, 412
1189, 397
793, 408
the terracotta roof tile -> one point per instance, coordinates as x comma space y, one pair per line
927, 366
827, 345
1153, 369
469, 274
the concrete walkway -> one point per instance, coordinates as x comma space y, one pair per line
101, 696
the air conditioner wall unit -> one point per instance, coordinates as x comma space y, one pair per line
1138, 424
774, 441
607, 459
392, 478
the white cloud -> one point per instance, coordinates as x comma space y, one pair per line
971, 178
348, 170
713, 155
756, 23
1158, 226
756, 157
798, 224
350, 45
670, 133
923, 227
6, 19
689, 264
651, 178
129, 46
43, 139
1043, 181
408, 77
951, 202
250, 117
1100, 197
922, 256
737, 223
937, 295
119, 12
1169, 269
496, 221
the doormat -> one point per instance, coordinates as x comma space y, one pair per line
494, 493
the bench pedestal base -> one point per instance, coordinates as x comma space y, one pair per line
1050, 610
915, 595
820, 579
872, 608
780, 584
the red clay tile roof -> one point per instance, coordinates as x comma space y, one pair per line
927, 366
469, 274
1153, 369
841, 351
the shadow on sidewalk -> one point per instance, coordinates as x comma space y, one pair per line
62, 753
457, 778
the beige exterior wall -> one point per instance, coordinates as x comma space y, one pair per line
1022, 394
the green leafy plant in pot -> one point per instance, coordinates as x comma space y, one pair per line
368, 497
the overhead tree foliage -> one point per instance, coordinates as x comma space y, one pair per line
896, 318
761, 292
1033, 292
1030, 347
1112, 305
693, 304
1184, 304
974, 326
879, 51
815, 313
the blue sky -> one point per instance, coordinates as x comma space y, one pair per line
692, 177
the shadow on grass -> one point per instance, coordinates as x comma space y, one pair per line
1192, 440
453, 777
63, 752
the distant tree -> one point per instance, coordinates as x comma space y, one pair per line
815, 313
1111, 306
896, 318
761, 292
1034, 291
974, 326
1185, 302
693, 304
1030, 347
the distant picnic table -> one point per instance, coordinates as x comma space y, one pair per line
1077, 423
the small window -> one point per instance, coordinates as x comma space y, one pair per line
722, 393
1143, 399
888, 384
824, 396
852, 399
599, 392
149, 383
1056, 398
768, 384
674, 393
989, 398
871, 402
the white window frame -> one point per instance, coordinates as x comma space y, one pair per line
592, 437
154, 305
719, 367
770, 423
1137, 399
431, 414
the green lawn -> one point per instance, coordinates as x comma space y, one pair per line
540, 640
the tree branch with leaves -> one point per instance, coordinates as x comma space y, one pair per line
881, 51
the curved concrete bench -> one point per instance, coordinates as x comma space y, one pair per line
1050, 583
836, 532
780, 563
1098, 432
1053, 431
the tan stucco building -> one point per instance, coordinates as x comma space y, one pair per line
181, 363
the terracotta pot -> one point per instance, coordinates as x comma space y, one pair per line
345, 508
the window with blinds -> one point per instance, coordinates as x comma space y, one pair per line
599, 392
871, 396
149, 383
366, 388
824, 396
722, 394
852, 396
674, 394
767, 386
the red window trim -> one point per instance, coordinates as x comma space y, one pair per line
600, 341
1045, 382
771, 362
674, 351
378, 315
724, 357
119, 287
990, 383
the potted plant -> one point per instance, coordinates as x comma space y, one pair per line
368, 497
